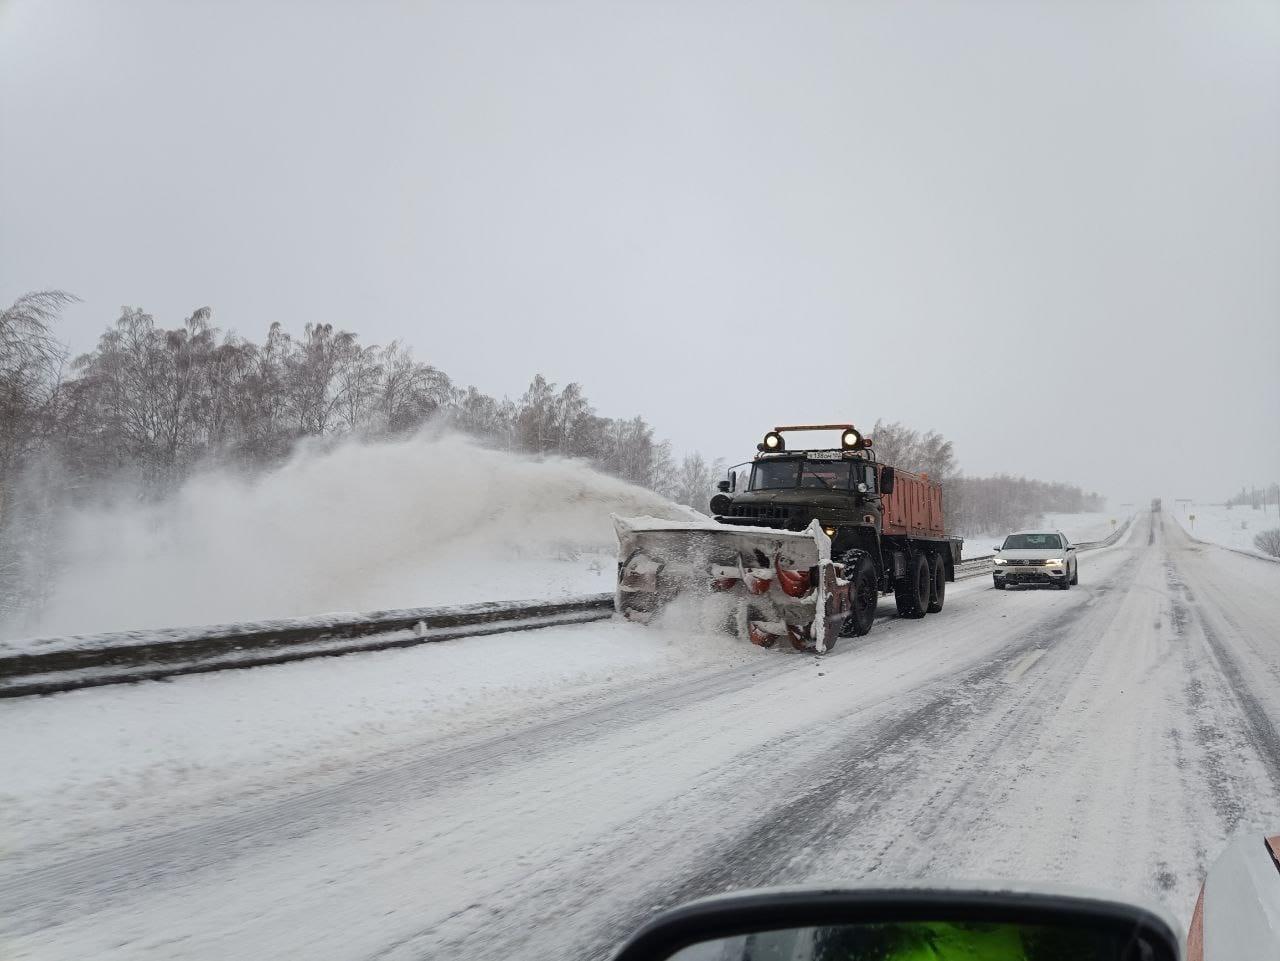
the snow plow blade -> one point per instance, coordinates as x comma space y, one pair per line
771, 585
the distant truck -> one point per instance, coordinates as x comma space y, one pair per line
1155, 505
804, 541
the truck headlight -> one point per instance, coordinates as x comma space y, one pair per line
829, 531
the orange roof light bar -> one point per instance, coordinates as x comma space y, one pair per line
850, 437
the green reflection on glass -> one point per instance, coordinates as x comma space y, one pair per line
916, 941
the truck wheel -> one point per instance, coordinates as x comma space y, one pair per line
938, 583
911, 591
864, 593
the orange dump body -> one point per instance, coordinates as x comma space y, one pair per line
914, 507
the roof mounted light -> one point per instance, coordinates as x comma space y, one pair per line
850, 439
773, 442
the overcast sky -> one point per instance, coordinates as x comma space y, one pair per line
1049, 231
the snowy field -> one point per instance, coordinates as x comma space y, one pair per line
1233, 527
1077, 527
539, 795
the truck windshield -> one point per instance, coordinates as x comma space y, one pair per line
832, 475
774, 474
785, 474
1032, 542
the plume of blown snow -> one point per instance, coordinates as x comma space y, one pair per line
360, 526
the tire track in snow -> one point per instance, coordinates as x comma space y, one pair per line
767, 848
1228, 657
589, 888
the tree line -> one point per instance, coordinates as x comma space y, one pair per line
151, 402
978, 505
1255, 497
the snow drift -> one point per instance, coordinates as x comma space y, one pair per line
359, 526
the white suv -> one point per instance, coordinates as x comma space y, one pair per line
1036, 557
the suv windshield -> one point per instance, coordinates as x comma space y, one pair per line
1032, 542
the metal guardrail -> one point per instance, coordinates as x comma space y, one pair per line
47, 665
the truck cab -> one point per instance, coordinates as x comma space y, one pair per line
789, 490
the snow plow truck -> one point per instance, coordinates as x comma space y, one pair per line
802, 545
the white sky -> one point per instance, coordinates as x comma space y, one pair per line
1050, 231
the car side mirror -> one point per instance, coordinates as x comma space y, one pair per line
886, 480
723, 487
859, 925
1070, 547
997, 550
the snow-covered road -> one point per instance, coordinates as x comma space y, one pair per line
1113, 735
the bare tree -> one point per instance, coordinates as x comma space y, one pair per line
476, 413
410, 392
27, 345
908, 449
311, 382
536, 429
695, 480
572, 414
31, 360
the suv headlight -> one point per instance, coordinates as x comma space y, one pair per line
1000, 562
1054, 560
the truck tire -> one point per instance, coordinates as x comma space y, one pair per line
911, 591
864, 593
938, 583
